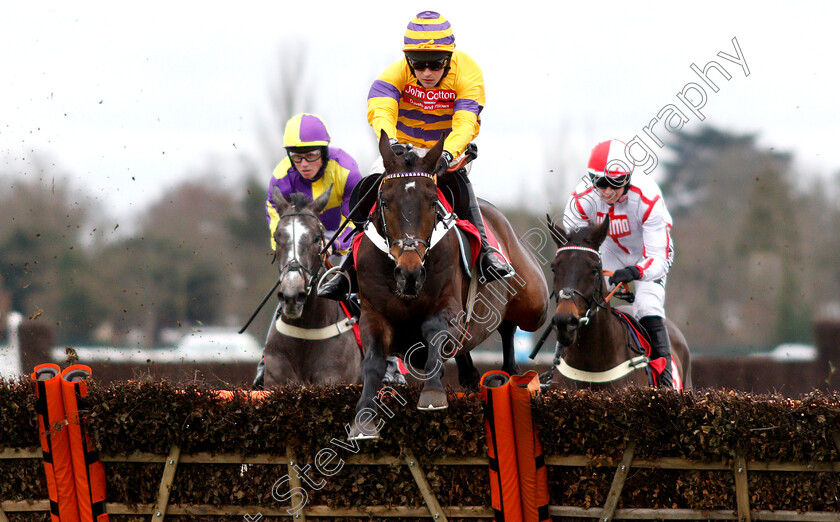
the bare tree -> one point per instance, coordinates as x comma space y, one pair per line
291, 91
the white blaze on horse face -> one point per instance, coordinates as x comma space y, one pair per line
295, 232
410, 185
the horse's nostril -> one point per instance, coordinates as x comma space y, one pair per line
301, 297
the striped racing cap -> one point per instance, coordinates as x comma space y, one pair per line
429, 31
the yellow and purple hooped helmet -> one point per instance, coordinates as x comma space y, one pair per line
429, 31
429, 39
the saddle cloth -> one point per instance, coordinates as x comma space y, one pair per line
640, 343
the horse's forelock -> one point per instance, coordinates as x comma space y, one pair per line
299, 200
411, 159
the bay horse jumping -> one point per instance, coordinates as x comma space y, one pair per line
596, 352
416, 296
310, 340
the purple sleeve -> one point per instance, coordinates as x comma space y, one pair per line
344, 240
383, 89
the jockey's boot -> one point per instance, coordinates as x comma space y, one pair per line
339, 287
660, 346
259, 380
491, 266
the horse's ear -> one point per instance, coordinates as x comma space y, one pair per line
558, 233
389, 159
278, 200
320, 203
429, 161
599, 234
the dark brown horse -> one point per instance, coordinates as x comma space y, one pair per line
415, 295
596, 353
310, 339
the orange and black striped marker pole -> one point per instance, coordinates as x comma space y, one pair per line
55, 443
501, 447
88, 471
533, 475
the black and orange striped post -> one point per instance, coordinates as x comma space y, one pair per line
55, 443
88, 471
501, 447
533, 475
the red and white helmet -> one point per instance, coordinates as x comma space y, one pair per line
608, 165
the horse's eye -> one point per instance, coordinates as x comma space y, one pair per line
384, 205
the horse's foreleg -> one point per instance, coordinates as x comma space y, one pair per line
366, 424
507, 329
438, 339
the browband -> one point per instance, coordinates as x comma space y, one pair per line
410, 175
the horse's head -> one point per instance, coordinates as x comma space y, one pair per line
407, 206
578, 277
299, 237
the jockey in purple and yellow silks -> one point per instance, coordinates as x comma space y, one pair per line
434, 91
311, 167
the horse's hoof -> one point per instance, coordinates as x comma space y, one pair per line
432, 400
357, 434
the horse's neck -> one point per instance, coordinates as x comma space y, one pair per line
601, 344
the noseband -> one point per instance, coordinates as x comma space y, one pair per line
594, 301
294, 265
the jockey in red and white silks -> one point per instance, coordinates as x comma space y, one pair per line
640, 229
639, 247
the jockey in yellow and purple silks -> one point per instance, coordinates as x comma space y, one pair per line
433, 91
311, 167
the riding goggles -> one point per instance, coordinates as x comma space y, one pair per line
310, 156
422, 65
603, 182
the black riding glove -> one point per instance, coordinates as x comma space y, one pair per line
398, 148
443, 163
625, 275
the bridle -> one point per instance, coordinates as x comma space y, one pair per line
309, 277
408, 243
594, 301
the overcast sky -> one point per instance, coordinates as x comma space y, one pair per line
128, 99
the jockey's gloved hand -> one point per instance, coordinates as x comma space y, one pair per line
625, 275
398, 148
443, 163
